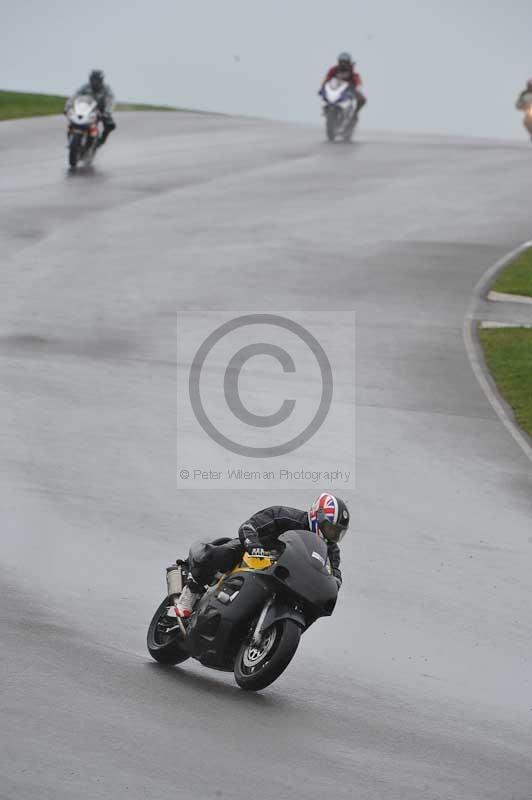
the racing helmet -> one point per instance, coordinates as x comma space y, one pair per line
329, 516
345, 60
96, 80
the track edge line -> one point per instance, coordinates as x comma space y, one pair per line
476, 356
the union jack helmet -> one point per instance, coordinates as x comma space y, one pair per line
329, 516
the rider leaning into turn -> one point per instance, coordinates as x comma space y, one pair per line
328, 518
345, 70
101, 91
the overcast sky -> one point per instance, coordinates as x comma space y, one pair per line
427, 66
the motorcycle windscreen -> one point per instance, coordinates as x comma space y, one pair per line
336, 91
84, 109
303, 569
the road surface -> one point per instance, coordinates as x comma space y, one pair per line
419, 686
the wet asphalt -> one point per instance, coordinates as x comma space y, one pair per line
419, 685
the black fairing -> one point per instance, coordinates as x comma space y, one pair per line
304, 558
300, 580
219, 624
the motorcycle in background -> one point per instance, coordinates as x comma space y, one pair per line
524, 104
250, 620
83, 130
339, 110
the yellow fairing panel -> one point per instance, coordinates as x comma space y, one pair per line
252, 562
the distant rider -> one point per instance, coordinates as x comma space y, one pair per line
101, 91
345, 70
328, 518
524, 103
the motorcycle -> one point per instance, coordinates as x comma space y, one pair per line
83, 130
339, 109
524, 104
250, 620
527, 119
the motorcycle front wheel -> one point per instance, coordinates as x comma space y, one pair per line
259, 665
330, 123
74, 150
165, 640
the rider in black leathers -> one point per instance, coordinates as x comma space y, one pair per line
328, 518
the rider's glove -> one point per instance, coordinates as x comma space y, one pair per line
247, 532
252, 544
250, 540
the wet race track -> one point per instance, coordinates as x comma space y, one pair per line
419, 685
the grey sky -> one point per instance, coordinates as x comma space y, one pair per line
434, 66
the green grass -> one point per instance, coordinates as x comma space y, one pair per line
516, 278
14, 105
21, 104
508, 354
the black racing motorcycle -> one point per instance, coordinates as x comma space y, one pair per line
249, 622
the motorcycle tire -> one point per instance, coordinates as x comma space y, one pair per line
348, 135
165, 648
74, 150
350, 130
258, 666
90, 152
331, 125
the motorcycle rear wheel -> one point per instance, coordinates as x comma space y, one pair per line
257, 666
166, 648
90, 151
348, 135
350, 130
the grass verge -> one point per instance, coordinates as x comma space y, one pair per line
14, 105
508, 354
21, 104
516, 278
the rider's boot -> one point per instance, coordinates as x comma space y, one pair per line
188, 598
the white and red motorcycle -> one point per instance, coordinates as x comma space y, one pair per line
83, 130
339, 109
